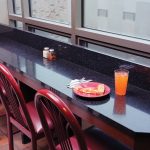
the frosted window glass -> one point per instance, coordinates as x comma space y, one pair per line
52, 10
123, 17
17, 7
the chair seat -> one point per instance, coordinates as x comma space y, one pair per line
97, 140
35, 118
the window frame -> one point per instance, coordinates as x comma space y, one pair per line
76, 29
31, 27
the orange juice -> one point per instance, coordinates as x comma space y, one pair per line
121, 81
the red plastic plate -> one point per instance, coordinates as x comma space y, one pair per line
90, 85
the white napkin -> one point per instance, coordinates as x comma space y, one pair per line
75, 82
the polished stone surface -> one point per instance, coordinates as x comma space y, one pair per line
139, 73
131, 113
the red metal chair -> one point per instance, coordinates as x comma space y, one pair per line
2, 116
2, 109
19, 113
59, 113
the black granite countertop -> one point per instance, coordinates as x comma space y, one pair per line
131, 111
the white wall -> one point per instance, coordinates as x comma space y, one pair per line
3, 12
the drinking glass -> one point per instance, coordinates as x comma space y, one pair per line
121, 81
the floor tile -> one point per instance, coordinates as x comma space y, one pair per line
3, 140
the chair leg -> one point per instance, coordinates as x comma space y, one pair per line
34, 143
10, 135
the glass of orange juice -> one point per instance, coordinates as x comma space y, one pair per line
121, 81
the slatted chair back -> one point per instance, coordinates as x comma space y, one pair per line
62, 118
13, 100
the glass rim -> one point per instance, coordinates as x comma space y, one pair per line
121, 70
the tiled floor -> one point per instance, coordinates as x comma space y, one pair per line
42, 144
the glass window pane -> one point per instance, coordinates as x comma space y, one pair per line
53, 10
124, 17
17, 7
50, 35
17, 24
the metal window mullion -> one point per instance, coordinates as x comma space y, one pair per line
22, 11
25, 12
75, 19
8, 12
73, 16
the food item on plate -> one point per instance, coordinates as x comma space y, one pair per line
99, 89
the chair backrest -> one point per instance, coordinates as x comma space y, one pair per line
62, 118
2, 109
13, 100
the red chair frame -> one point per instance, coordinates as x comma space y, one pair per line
16, 110
58, 113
